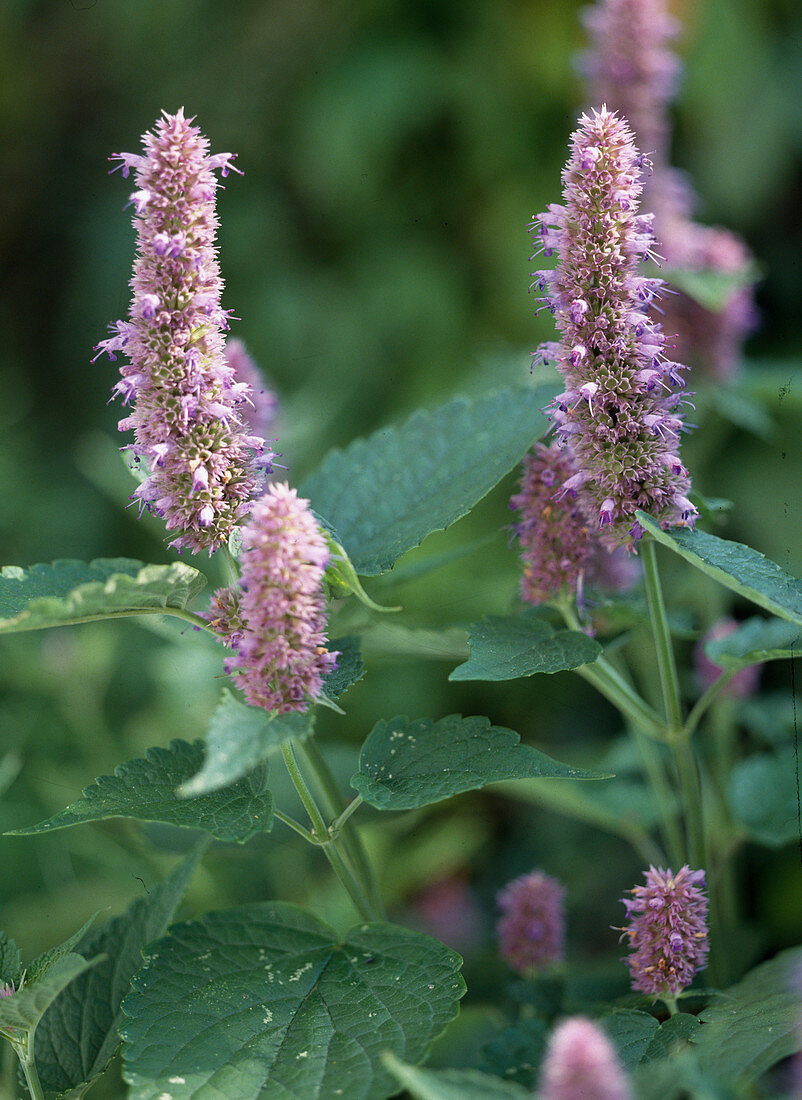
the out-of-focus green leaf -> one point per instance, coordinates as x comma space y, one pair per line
349, 670
383, 495
24, 1009
756, 640
69, 592
453, 1084
763, 796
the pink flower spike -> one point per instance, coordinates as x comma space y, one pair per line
581, 1064
531, 929
204, 471
667, 930
275, 621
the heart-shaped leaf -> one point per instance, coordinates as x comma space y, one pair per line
406, 764
506, 647
146, 790
266, 1000
383, 495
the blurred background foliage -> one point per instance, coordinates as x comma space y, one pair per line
376, 251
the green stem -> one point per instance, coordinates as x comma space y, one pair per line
295, 826
616, 690
320, 834
24, 1051
704, 701
691, 787
661, 788
662, 638
351, 808
350, 838
231, 564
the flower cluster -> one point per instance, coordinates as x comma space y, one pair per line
203, 466
580, 1062
620, 410
275, 622
633, 69
7, 989
559, 550
531, 929
667, 930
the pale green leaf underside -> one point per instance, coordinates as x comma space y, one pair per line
26, 1007
453, 1084
146, 789
67, 592
756, 640
383, 495
737, 567
238, 739
264, 1001
75, 1045
712, 289
506, 647
752, 1025
406, 764
763, 797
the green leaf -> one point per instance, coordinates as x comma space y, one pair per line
10, 961
76, 592
239, 739
763, 797
676, 1030
350, 668
45, 962
516, 1052
756, 640
737, 567
383, 495
710, 287
453, 1084
23, 1010
631, 1033
506, 647
75, 1045
265, 1000
342, 579
406, 764
147, 790
752, 1025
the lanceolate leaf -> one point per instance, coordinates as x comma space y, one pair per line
146, 790
26, 1007
405, 764
10, 961
77, 592
453, 1084
504, 648
75, 1045
239, 738
755, 641
47, 960
752, 1025
737, 567
383, 495
266, 1001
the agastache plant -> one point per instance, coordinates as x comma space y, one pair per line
203, 465
621, 409
260, 997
